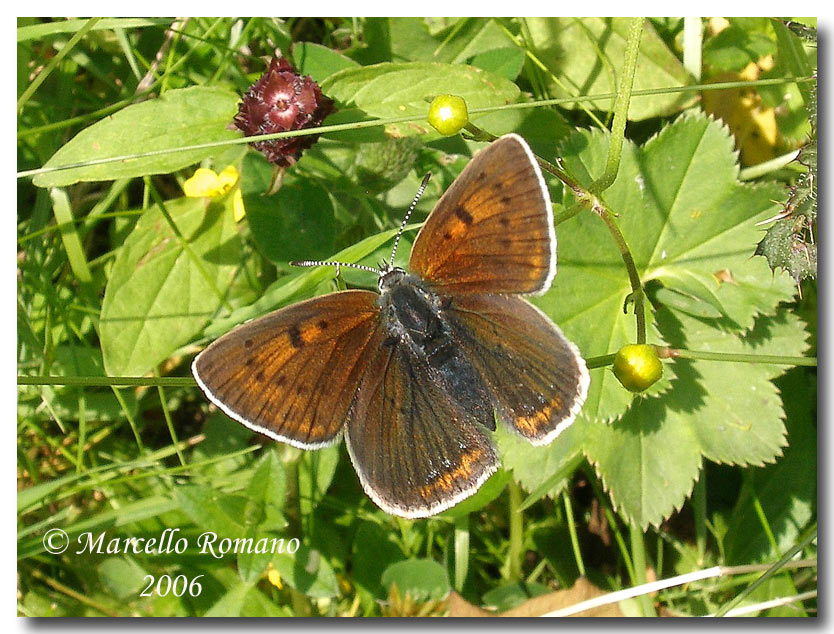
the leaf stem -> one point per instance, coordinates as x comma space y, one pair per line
703, 355
108, 381
621, 103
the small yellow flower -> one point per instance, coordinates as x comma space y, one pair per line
274, 577
208, 183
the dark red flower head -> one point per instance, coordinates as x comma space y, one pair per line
282, 100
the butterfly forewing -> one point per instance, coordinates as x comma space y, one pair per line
292, 374
536, 376
492, 231
416, 453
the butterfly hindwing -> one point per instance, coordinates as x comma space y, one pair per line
415, 451
292, 374
536, 376
492, 231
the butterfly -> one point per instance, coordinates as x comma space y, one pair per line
414, 376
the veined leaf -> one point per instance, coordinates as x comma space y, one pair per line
583, 53
159, 297
188, 116
405, 89
689, 224
725, 412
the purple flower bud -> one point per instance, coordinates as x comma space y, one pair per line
282, 100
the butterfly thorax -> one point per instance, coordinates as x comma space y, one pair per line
411, 312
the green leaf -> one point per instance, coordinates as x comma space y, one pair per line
511, 595
648, 460
506, 62
308, 572
542, 470
122, 577
726, 412
735, 47
785, 490
294, 223
315, 473
319, 61
417, 39
397, 90
261, 515
179, 118
584, 55
231, 603
422, 579
159, 296
740, 419
211, 510
689, 224
374, 549
69, 235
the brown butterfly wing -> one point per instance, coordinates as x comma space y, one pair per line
415, 452
293, 374
492, 231
536, 376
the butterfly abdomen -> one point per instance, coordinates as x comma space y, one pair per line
415, 318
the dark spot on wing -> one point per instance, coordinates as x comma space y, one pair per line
300, 390
280, 380
506, 201
259, 377
250, 361
447, 236
295, 336
248, 344
464, 215
505, 222
482, 176
322, 324
506, 243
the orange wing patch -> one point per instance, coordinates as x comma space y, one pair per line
446, 481
533, 424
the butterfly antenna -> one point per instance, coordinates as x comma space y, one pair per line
338, 265
420, 191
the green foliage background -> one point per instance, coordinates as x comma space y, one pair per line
121, 275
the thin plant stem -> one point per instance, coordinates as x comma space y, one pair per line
358, 125
638, 556
702, 355
516, 521
117, 393
461, 542
699, 507
671, 582
772, 570
621, 103
109, 381
692, 46
170, 423
41, 77
574, 539
81, 598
